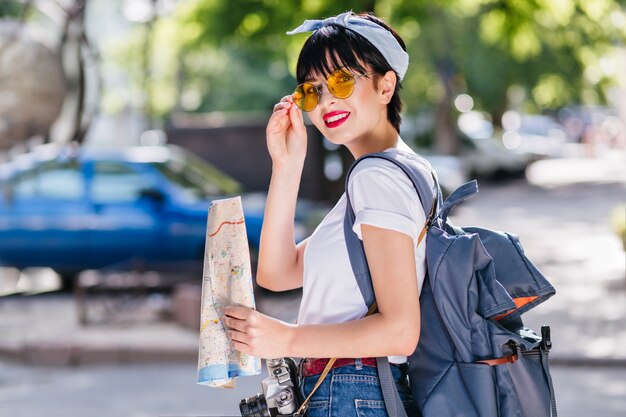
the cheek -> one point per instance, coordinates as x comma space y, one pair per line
316, 118
365, 92
368, 105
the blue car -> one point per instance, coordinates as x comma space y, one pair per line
72, 208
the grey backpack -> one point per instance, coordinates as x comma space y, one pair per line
474, 358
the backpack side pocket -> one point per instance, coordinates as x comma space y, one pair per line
468, 389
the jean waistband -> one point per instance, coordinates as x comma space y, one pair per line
315, 366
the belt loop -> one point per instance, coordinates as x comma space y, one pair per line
358, 364
301, 370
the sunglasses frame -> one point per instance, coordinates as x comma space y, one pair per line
319, 91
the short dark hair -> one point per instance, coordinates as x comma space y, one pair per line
348, 49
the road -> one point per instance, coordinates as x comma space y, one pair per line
565, 230
170, 390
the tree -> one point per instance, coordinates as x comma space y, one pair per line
222, 55
229, 55
552, 49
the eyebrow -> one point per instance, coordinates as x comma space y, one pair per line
314, 80
325, 78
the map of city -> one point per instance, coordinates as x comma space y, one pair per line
227, 280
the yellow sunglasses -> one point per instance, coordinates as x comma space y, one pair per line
340, 84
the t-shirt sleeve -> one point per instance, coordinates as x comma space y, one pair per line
383, 196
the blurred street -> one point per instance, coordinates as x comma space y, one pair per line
144, 365
122, 122
170, 390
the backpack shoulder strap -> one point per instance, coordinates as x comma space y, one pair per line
430, 198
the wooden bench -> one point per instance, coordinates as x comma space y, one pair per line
106, 295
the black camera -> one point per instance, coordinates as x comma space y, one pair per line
281, 394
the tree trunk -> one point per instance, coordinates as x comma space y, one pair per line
446, 137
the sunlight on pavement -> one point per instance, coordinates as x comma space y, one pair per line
554, 172
9, 278
601, 347
28, 281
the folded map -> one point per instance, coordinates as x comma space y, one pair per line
227, 281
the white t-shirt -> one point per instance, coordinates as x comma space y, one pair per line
382, 196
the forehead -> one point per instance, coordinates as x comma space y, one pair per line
332, 60
315, 76
330, 63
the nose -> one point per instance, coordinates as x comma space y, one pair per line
325, 94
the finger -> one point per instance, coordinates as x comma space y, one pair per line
238, 337
288, 98
236, 324
300, 114
279, 122
282, 105
279, 114
237, 311
296, 118
243, 348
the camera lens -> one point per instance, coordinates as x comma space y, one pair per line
254, 406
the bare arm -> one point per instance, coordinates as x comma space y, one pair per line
280, 261
394, 330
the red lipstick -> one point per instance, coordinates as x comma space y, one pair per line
335, 118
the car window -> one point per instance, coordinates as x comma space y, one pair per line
54, 180
115, 182
197, 179
207, 173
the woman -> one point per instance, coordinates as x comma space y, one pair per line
350, 70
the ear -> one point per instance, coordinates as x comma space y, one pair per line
387, 86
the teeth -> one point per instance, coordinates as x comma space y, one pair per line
337, 117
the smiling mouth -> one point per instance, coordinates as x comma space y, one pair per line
336, 120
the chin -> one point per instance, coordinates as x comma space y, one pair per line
342, 137
337, 140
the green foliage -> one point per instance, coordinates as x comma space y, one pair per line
10, 9
234, 55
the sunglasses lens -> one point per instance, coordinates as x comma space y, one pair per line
341, 84
305, 96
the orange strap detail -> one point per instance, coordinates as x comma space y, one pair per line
519, 302
499, 361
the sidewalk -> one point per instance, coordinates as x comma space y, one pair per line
44, 330
564, 227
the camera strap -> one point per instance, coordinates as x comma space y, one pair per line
329, 366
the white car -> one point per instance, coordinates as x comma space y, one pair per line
489, 158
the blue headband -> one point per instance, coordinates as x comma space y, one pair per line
378, 36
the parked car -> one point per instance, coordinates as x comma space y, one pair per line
72, 208
489, 158
481, 153
484, 154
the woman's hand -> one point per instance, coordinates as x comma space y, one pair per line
256, 334
286, 134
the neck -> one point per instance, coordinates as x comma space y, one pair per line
382, 138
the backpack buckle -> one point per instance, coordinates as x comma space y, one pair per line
546, 342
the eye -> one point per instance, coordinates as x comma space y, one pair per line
311, 89
342, 77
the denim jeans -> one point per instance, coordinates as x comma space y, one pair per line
354, 391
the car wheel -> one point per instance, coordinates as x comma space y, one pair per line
68, 280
